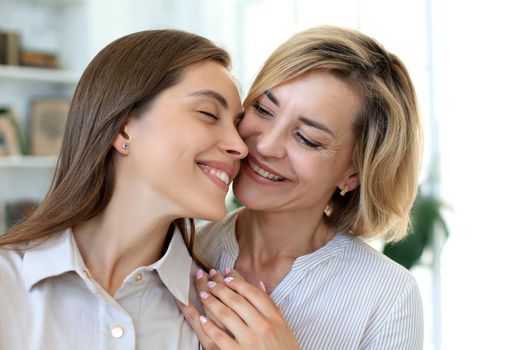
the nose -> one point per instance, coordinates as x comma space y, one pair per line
270, 142
233, 145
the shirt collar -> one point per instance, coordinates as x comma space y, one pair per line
174, 268
60, 254
55, 256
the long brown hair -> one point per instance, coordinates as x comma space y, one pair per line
121, 81
387, 130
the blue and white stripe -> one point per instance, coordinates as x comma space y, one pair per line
345, 295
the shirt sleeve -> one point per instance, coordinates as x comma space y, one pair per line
403, 328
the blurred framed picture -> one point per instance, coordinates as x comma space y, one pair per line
47, 122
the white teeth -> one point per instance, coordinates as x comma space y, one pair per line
221, 175
263, 172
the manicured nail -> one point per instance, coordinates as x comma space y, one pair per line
203, 319
227, 270
204, 295
228, 279
212, 272
262, 285
200, 274
211, 284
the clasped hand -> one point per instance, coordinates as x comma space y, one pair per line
238, 315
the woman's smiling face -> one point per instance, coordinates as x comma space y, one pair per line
299, 138
185, 150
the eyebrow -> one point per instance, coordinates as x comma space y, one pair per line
316, 125
272, 97
304, 120
212, 94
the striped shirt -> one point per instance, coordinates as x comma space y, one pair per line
345, 295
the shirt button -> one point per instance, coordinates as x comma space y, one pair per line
86, 274
117, 332
138, 277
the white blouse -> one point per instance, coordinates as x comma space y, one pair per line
49, 301
345, 295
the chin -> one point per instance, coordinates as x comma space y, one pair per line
247, 198
214, 214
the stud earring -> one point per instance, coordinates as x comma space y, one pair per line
125, 145
328, 209
344, 191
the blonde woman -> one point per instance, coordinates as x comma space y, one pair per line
150, 140
334, 146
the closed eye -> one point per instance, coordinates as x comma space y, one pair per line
211, 115
261, 110
306, 142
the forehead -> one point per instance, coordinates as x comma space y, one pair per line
320, 95
209, 75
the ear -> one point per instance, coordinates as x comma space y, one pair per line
121, 143
350, 180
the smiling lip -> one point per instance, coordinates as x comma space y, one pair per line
261, 173
221, 174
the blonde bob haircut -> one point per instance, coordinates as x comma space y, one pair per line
387, 129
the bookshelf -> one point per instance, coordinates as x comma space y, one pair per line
30, 74
53, 26
25, 177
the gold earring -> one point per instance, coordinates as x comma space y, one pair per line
344, 191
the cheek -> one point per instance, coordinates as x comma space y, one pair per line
248, 125
316, 169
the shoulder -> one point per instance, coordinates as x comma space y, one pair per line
360, 255
389, 296
11, 270
357, 269
10, 261
377, 295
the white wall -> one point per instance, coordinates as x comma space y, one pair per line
479, 92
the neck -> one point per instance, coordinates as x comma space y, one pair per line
274, 234
269, 243
125, 236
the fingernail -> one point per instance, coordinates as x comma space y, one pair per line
203, 319
227, 270
204, 295
228, 279
200, 274
262, 285
211, 284
212, 272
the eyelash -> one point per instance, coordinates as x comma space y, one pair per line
306, 142
303, 140
209, 115
261, 110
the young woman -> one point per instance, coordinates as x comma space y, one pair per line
150, 139
334, 139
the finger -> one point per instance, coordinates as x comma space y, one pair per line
201, 284
229, 272
221, 339
191, 314
225, 313
262, 286
237, 303
201, 280
256, 296
216, 276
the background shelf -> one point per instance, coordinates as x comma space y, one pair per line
39, 74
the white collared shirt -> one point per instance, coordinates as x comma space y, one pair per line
49, 301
